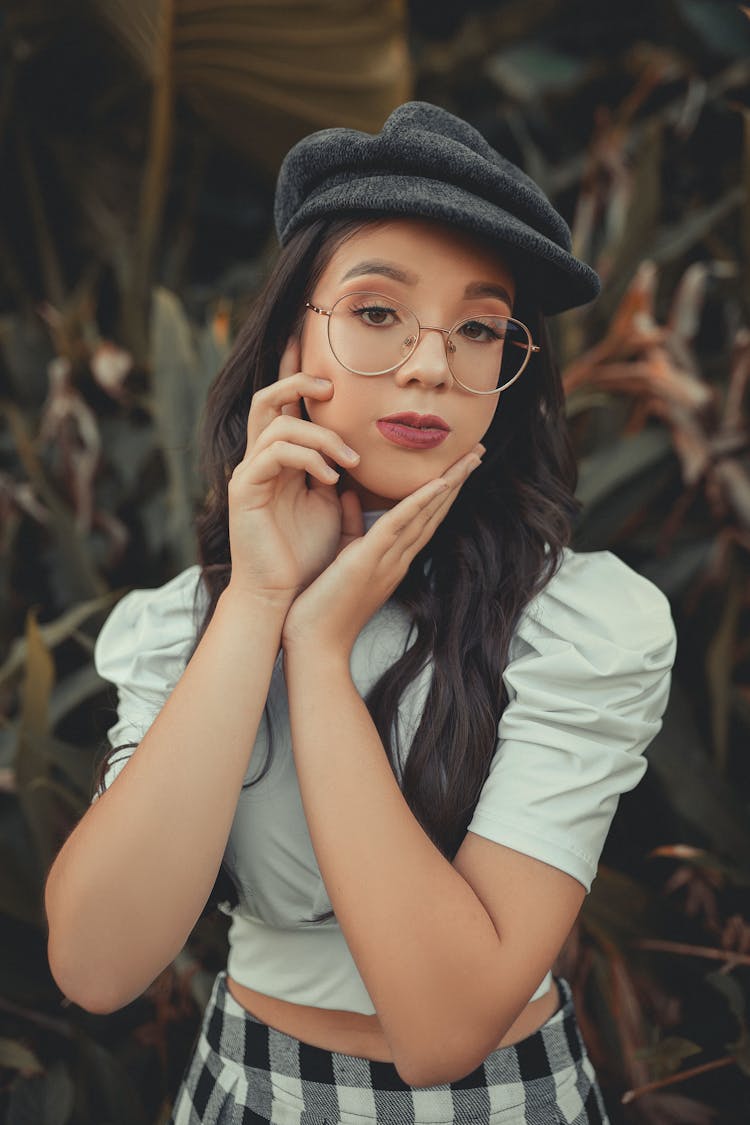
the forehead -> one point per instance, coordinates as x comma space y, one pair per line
426, 249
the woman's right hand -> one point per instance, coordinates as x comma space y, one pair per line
282, 534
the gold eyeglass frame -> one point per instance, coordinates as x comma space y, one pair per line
532, 347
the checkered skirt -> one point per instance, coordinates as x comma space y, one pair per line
244, 1072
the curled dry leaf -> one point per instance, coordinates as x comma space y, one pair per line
657, 367
639, 356
110, 366
7, 779
631, 1021
733, 419
21, 495
700, 887
660, 1108
736, 934
69, 422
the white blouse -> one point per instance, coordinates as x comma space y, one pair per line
587, 679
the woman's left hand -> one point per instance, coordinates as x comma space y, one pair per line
331, 612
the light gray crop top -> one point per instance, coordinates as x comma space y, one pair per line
588, 680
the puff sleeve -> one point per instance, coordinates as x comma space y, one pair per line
588, 681
142, 649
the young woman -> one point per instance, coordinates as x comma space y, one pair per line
391, 708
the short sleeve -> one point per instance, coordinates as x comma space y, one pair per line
588, 681
143, 648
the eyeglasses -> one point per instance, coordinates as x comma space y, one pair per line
371, 334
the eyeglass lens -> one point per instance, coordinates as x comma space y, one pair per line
371, 334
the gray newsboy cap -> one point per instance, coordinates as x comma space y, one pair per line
427, 162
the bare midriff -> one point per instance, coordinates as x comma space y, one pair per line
352, 1033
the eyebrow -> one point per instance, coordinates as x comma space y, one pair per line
386, 269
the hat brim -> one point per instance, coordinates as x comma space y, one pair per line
548, 273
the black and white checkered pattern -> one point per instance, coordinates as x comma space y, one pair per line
243, 1072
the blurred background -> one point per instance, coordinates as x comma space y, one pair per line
139, 144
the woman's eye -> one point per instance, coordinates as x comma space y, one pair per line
476, 331
374, 313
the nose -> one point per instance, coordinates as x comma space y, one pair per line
428, 362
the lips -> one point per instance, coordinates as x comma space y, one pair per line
414, 431
418, 421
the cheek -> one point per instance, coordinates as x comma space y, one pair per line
486, 416
333, 414
316, 357
350, 411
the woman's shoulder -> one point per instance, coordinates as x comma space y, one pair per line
148, 626
588, 681
594, 594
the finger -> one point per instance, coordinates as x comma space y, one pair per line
435, 513
455, 477
301, 432
456, 472
289, 364
418, 515
401, 525
414, 510
352, 521
284, 455
268, 402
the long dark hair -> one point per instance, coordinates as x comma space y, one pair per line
498, 546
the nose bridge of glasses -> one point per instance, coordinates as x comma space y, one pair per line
416, 338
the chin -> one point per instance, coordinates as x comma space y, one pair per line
394, 485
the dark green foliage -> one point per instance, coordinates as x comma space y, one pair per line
131, 241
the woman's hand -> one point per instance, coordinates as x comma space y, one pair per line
282, 534
330, 614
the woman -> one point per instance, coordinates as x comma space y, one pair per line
391, 704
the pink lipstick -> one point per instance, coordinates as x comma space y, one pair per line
415, 431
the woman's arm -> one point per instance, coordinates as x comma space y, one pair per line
450, 957
131, 880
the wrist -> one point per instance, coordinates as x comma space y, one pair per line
310, 656
246, 600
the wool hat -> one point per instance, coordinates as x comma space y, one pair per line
427, 162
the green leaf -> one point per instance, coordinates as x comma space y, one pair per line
619, 481
52, 633
613, 468
720, 27
693, 786
119, 1101
616, 907
741, 1051
17, 1056
667, 1056
21, 872
46, 1099
731, 990
531, 69
720, 657
38, 681
176, 382
290, 68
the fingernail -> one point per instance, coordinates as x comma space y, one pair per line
322, 382
351, 452
473, 464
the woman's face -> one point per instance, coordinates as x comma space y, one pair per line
435, 264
